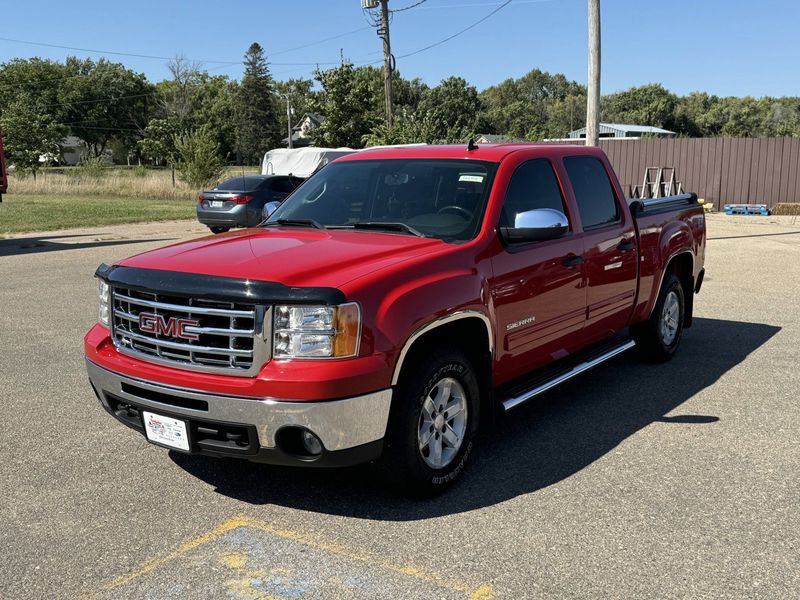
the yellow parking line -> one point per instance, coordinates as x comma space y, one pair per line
151, 564
412, 571
483, 592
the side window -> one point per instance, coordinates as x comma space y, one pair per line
593, 192
282, 186
533, 185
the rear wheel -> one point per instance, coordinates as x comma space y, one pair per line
432, 425
658, 338
219, 229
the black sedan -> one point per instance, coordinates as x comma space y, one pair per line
239, 202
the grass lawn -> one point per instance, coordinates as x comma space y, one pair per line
20, 213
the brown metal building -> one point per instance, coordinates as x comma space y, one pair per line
720, 170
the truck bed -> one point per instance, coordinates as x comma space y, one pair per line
666, 226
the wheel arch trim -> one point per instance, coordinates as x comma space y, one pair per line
441, 321
667, 263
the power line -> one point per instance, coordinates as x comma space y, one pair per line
103, 128
226, 64
322, 41
98, 100
415, 5
221, 62
108, 51
479, 4
455, 35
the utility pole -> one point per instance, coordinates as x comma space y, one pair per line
593, 88
383, 33
289, 119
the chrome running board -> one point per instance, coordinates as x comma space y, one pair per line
542, 387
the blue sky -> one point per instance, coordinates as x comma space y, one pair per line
724, 47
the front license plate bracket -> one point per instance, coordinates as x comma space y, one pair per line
166, 431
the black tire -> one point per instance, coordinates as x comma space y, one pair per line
656, 342
216, 230
404, 466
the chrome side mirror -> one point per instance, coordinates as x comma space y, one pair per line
269, 208
536, 225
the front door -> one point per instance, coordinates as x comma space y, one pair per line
538, 288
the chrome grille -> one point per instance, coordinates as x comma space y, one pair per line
230, 336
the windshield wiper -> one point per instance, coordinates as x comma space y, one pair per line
296, 223
378, 225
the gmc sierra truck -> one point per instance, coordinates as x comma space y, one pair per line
395, 302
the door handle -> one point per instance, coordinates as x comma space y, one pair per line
573, 260
625, 245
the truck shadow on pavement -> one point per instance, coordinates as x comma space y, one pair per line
533, 447
36, 244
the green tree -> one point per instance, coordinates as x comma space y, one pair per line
450, 111
31, 113
409, 128
538, 104
37, 80
256, 109
213, 106
159, 140
649, 104
105, 100
563, 115
345, 100
745, 117
30, 135
699, 115
198, 160
785, 116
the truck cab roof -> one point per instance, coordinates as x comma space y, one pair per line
487, 152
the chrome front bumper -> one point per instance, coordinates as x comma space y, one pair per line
339, 424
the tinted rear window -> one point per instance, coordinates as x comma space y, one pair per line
283, 186
593, 191
241, 184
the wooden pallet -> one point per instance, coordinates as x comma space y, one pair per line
746, 209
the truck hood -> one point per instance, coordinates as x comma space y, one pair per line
291, 256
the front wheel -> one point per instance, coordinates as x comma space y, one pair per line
658, 337
216, 230
432, 425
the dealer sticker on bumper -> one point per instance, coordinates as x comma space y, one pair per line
166, 430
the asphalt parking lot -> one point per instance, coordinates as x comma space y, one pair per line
634, 481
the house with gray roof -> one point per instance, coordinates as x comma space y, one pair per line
621, 130
302, 132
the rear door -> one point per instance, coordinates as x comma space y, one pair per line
610, 249
537, 288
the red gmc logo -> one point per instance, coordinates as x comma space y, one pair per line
172, 327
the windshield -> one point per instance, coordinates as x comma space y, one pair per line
444, 199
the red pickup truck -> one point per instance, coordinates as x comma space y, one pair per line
394, 303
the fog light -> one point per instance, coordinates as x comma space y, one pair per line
312, 443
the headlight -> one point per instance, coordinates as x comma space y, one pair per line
105, 301
316, 331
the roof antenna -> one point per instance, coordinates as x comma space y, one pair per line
472, 145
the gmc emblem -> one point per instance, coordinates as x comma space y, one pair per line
172, 327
